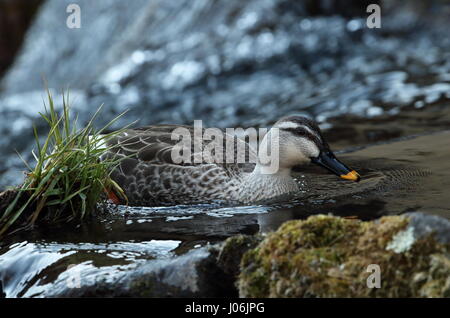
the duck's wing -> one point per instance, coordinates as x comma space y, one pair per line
152, 144
183, 145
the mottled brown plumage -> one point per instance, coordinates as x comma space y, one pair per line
150, 176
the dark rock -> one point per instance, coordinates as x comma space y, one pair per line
233, 249
194, 274
205, 272
322, 256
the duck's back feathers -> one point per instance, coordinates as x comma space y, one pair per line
159, 143
151, 174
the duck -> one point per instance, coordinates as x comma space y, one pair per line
157, 169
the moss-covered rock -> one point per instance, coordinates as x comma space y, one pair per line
326, 256
232, 250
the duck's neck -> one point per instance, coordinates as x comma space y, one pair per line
265, 184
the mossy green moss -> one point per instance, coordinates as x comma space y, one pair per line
327, 256
233, 249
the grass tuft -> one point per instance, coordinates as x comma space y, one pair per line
69, 178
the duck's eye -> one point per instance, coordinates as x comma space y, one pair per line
300, 131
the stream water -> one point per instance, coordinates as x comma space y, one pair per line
398, 177
232, 64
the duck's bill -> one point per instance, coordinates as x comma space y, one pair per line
329, 161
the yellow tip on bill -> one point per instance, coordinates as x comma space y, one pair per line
352, 175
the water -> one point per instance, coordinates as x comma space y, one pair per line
398, 177
232, 64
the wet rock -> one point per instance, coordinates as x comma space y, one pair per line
326, 256
194, 274
322, 256
205, 272
233, 249
209, 271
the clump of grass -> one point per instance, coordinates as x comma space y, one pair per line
68, 179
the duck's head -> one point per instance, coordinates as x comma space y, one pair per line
301, 142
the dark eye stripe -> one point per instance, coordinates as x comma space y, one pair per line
306, 122
302, 132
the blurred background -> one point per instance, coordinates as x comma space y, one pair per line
230, 63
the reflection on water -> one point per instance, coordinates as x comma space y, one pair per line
229, 63
106, 248
232, 64
27, 269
